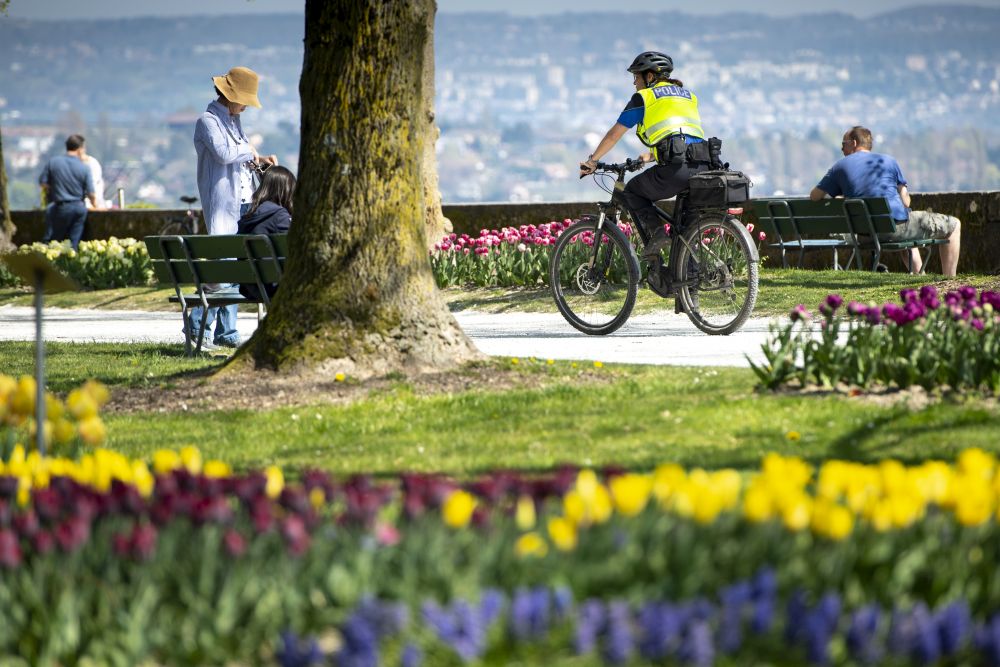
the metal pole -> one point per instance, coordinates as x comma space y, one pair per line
39, 367
121, 198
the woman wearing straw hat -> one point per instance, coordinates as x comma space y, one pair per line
225, 156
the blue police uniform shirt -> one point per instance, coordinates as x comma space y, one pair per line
867, 174
634, 110
68, 178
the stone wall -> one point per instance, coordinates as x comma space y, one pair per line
978, 211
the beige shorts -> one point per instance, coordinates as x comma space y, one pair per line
924, 225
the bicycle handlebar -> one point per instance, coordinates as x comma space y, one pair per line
620, 168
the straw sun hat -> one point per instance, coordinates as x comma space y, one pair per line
239, 85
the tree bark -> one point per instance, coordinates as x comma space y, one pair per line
358, 295
437, 224
7, 227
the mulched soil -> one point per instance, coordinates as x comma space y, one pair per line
266, 390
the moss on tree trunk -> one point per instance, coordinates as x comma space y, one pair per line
358, 295
7, 227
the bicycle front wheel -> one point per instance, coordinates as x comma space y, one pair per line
717, 273
594, 276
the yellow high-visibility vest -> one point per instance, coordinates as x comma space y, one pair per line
668, 109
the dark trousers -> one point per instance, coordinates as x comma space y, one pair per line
662, 181
65, 220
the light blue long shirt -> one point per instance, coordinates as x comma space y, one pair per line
222, 149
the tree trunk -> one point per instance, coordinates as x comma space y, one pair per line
437, 224
7, 228
358, 295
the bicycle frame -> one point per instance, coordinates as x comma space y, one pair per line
612, 209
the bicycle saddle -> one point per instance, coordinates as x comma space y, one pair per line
189, 200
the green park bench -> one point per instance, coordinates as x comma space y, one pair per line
183, 262
858, 225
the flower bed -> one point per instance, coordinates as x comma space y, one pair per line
509, 257
180, 561
925, 340
100, 264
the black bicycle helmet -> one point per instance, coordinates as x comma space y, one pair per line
652, 61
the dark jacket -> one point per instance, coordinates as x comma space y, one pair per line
269, 218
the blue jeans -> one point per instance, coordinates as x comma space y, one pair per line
65, 221
224, 318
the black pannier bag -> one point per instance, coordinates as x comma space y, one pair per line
719, 188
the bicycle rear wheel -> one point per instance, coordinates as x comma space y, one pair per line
595, 292
717, 273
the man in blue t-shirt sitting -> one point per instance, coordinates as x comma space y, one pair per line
67, 181
861, 173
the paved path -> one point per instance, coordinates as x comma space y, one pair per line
662, 338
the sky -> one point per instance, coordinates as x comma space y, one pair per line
100, 9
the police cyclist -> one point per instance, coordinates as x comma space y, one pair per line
665, 115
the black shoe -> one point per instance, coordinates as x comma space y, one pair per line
658, 240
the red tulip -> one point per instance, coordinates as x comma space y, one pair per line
10, 549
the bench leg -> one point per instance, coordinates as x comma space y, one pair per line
876, 256
187, 333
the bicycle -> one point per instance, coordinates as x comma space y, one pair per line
182, 226
711, 269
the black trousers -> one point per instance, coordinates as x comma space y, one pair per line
661, 181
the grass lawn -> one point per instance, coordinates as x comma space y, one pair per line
635, 416
780, 291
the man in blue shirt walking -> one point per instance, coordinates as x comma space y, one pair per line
862, 173
67, 181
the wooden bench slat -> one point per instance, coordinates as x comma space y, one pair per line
182, 261
860, 224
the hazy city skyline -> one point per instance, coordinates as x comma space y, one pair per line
102, 9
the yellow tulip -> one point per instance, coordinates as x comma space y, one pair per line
317, 498
143, 479
797, 514
97, 391
63, 431
524, 516
191, 459
631, 493
707, 507
757, 505
165, 460
458, 508
976, 462
666, 478
275, 481
839, 523
216, 469
974, 507
81, 404
22, 399
531, 545
92, 430
563, 533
